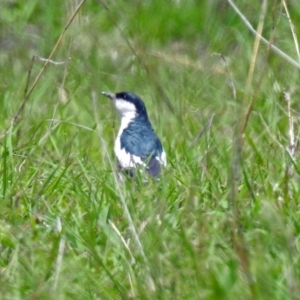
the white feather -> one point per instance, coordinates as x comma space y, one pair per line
163, 158
126, 109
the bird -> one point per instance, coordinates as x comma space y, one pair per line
136, 144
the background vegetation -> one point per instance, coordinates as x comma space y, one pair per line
223, 221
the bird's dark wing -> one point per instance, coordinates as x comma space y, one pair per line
140, 140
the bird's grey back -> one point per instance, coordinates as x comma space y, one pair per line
140, 140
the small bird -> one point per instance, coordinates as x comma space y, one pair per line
136, 143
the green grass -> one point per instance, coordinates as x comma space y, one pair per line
68, 230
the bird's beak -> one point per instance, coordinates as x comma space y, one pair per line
111, 96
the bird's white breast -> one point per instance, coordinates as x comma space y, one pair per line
125, 159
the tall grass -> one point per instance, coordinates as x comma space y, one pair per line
222, 222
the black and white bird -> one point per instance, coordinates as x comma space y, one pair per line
136, 144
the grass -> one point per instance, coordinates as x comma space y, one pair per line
68, 230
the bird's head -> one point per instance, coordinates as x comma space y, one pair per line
127, 104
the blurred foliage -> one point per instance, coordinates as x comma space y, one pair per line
62, 228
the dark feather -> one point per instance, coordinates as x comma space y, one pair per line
140, 140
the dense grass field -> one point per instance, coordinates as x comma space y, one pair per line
223, 222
